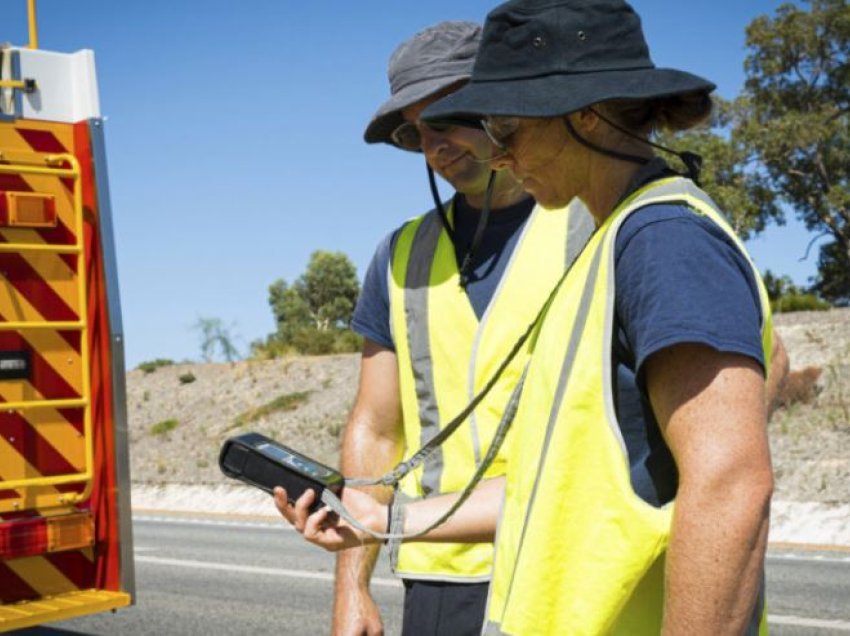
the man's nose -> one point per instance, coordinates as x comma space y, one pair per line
432, 140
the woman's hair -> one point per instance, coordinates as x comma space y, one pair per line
673, 113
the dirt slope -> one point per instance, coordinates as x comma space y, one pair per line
811, 443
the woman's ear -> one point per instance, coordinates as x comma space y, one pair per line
586, 120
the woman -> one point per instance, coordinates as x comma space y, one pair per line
646, 383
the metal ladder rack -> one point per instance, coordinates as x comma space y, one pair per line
61, 166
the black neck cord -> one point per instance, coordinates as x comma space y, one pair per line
441, 210
692, 161
477, 237
622, 156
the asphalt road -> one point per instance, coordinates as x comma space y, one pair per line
217, 577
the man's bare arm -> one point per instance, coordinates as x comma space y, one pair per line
372, 444
779, 367
711, 409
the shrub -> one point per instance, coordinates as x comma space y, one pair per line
799, 387
152, 365
270, 348
315, 342
307, 341
187, 378
348, 342
163, 427
799, 302
286, 402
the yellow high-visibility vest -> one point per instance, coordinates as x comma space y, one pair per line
446, 356
577, 551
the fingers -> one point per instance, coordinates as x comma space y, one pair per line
297, 514
314, 527
322, 528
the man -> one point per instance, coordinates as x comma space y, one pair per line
444, 300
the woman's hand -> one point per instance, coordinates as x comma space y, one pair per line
324, 528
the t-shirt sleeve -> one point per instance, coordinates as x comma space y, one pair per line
681, 279
371, 317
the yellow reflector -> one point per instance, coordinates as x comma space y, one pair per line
30, 209
70, 532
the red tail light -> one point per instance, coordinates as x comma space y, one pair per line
29, 536
23, 537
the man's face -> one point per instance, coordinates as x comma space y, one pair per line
458, 154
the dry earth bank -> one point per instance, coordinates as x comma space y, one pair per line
179, 416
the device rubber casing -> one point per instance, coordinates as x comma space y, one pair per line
262, 462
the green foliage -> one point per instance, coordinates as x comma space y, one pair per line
216, 339
313, 341
270, 348
784, 143
152, 365
785, 296
727, 175
290, 309
833, 280
187, 378
313, 313
286, 402
348, 342
797, 115
799, 302
163, 427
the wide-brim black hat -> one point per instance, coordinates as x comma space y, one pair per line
424, 65
545, 58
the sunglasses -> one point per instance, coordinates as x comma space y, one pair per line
408, 135
500, 129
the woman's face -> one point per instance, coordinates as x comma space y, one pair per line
540, 154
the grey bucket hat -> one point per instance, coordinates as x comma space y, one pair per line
545, 58
425, 64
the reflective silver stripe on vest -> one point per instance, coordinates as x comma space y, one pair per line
580, 227
473, 361
416, 314
566, 370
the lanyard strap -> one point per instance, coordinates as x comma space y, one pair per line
394, 532
395, 475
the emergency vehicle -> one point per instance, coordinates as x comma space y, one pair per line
65, 534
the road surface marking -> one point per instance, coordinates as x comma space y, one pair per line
818, 558
837, 625
253, 569
274, 524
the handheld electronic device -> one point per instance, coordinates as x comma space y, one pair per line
264, 463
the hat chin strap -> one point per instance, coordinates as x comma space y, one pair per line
692, 161
478, 236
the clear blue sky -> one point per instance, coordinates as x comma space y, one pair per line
234, 138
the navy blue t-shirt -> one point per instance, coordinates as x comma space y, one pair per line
372, 313
679, 279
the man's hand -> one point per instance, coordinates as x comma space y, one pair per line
325, 529
777, 374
